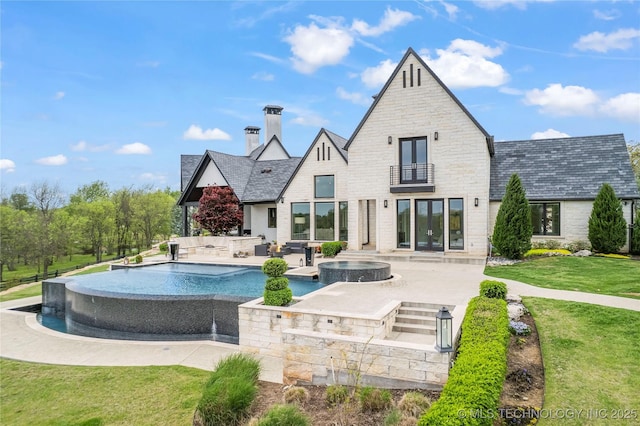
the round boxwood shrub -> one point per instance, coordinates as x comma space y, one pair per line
276, 283
278, 297
275, 267
493, 289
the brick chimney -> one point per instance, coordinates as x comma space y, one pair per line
251, 138
273, 122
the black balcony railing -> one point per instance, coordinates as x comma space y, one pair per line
412, 174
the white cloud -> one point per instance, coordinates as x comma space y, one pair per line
307, 118
624, 107
452, 10
196, 133
378, 75
463, 65
153, 177
7, 165
54, 160
607, 15
599, 42
510, 91
392, 18
262, 75
85, 146
356, 98
563, 101
496, 4
58, 96
314, 47
134, 148
549, 134
266, 57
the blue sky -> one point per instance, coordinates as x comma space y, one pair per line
116, 91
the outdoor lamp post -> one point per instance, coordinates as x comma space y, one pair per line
444, 331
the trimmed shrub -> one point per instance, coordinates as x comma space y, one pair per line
331, 248
276, 290
547, 252
276, 283
476, 379
414, 404
493, 289
296, 395
138, 258
513, 230
607, 227
163, 247
374, 399
278, 297
575, 246
336, 394
284, 415
275, 267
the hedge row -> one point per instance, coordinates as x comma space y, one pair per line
230, 391
475, 382
331, 248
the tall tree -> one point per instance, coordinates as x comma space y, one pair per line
122, 200
98, 223
97, 190
15, 236
46, 198
152, 213
219, 210
607, 227
513, 230
634, 156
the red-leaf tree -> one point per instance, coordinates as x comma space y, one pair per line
219, 210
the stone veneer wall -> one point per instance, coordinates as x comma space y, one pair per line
232, 244
321, 359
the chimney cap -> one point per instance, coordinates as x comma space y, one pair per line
249, 129
273, 109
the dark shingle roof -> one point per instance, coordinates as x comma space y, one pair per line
267, 179
564, 168
188, 164
339, 142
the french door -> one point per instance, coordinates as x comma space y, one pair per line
413, 160
430, 225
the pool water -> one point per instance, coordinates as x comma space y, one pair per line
188, 279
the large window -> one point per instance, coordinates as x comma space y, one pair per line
343, 221
413, 160
456, 224
325, 222
300, 221
545, 218
272, 218
324, 187
404, 224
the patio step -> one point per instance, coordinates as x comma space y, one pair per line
418, 318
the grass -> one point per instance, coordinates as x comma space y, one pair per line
616, 277
63, 395
59, 263
592, 360
36, 290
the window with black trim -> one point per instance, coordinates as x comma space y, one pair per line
301, 221
324, 186
403, 231
325, 222
545, 218
272, 218
456, 224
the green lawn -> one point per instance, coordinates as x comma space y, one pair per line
60, 263
38, 394
617, 277
592, 361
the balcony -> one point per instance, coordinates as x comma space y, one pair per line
412, 178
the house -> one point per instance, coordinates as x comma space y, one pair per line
420, 174
257, 178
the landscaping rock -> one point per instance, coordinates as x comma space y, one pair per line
582, 253
515, 311
501, 261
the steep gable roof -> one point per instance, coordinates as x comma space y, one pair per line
337, 141
274, 142
188, 165
411, 52
564, 168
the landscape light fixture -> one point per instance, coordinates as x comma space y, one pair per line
444, 330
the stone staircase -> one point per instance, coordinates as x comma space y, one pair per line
417, 318
418, 257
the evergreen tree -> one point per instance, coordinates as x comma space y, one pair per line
635, 240
607, 227
512, 232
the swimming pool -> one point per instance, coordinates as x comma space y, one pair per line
159, 302
175, 279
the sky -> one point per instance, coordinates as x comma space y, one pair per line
117, 91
